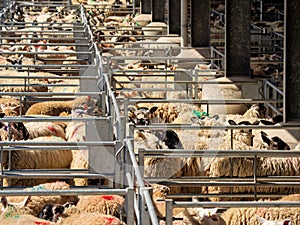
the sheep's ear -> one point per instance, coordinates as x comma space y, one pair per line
287, 222
255, 122
244, 123
131, 108
207, 212
232, 122
16, 108
195, 199
266, 122
260, 219
153, 109
265, 138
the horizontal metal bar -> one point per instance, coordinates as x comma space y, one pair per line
46, 53
53, 143
51, 118
48, 77
236, 204
30, 94
71, 191
44, 66
200, 127
58, 39
41, 44
36, 174
204, 101
220, 153
178, 182
229, 195
262, 179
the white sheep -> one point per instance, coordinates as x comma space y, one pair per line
36, 159
273, 222
32, 204
267, 216
90, 219
40, 129
8, 219
55, 108
157, 167
243, 167
104, 204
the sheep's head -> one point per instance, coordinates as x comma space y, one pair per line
244, 135
141, 115
12, 130
256, 110
160, 191
210, 217
275, 143
273, 222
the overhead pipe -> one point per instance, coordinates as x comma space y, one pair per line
184, 23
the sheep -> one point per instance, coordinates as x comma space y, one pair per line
254, 216
275, 143
157, 167
54, 108
104, 204
36, 85
39, 129
33, 205
243, 167
12, 130
256, 110
36, 159
53, 212
8, 219
91, 219
273, 222
193, 216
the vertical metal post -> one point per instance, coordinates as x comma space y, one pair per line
237, 38
169, 211
184, 23
130, 203
158, 10
174, 17
145, 6
291, 61
200, 28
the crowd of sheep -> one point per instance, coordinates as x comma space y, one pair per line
111, 209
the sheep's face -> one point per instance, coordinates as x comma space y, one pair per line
51, 212
210, 217
160, 191
275, 143
141, 115
14, 131
243, 135
273, 222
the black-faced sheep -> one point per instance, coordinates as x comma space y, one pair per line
12, 130
275, 143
